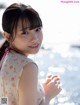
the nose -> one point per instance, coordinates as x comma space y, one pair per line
35, 37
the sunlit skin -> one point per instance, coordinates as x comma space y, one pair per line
29, 41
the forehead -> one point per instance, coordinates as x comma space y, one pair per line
22, 24
30, 22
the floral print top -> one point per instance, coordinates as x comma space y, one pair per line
10, 74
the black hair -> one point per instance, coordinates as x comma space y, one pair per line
11, 17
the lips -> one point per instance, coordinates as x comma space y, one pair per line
34, 46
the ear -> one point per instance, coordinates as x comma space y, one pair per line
6, 35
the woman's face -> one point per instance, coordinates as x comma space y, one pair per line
28, 41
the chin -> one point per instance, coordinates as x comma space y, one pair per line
35, 52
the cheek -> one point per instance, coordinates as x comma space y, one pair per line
41, 37
19, 42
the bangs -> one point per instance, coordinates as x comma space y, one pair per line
30, 20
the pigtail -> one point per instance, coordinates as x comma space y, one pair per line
2, 48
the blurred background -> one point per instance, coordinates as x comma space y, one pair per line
60, 50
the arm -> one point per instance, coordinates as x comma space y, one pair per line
51, 90
28, 85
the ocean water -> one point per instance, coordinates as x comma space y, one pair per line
67, 65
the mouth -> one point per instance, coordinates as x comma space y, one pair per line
35, 45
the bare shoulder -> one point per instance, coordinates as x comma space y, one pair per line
32, 66
30, 69
29, 74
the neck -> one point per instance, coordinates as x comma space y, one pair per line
18, 51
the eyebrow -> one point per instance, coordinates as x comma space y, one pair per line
27, 28
24, 28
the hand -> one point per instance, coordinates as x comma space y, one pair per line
51, 86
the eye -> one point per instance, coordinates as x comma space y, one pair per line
38, 29
25, 33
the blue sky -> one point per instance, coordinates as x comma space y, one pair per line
61, 21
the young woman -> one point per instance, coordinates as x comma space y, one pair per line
22, 28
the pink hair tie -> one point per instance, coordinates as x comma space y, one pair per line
7, 50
